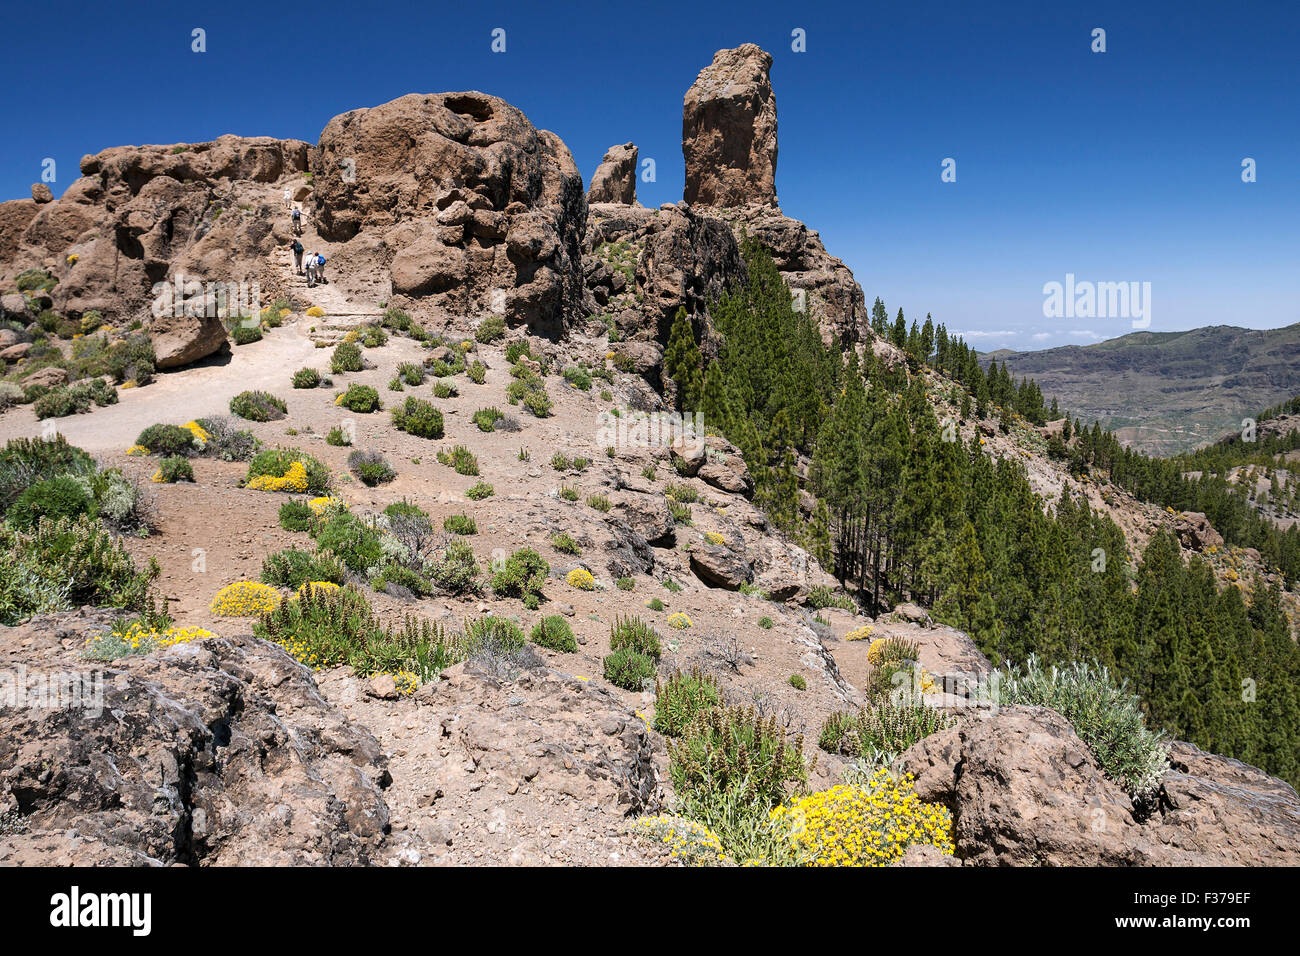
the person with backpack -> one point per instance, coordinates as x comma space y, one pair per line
320, 268
297, 256
297, 221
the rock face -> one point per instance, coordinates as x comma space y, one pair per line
1026, 791
615, 178
1195, 531
719, 566
218, 752
688, 261
729, 131
475, 209
146, 215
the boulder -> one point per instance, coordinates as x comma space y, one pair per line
615, 178
484, 211
1195, 531
41, 193
720, 567
49, 377
732, 477
688, 261
181, 339
729, 131
15, 353
648, 516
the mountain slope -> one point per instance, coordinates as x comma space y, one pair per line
1168, 392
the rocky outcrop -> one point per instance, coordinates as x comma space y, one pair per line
720, 566
615, 178
217, 752
476, 210
688, 261
1024, 790
729, 131
1195, 531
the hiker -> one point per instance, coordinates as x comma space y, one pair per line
297, 221
311, 269
297, 256
320, 268
288, 198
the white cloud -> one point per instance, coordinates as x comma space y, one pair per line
1040, 336
978, 334
1085, 333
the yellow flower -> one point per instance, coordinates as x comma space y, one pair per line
714, 538
679, 621
315, 311
137, 450
581, 579
325, 503
317, 588
245, 599
293, 480
861, 634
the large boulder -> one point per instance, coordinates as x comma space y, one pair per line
729, 131
688, 261
1024, 790
480, 211
217, 752
615, 178
719, 566
1195, 531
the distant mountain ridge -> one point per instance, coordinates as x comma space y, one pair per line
1167, 392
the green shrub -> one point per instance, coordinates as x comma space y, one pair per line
296, 515
356, 543
445, 389
522, 575
486, 419
655, 604
418, 417
1106, 716
680, 698
881, 731
735, 751
459, 524
74, 399
411, 373
568, 494
578, 377
460, 458
565, 544
479, 491
394, 318
538, 402
373, 337
242, 334
227, 442
456, 572
599, 502
821, 596
371, 468
167, 440
306, 378
346, 358
35, 280
490, 329
477, 372
625, 584
293, 567
627, 669
765, 623
172, 470
681, 513
58, 497
560, 462
258, 406
516, 349
555, 633
338, 437
25, 461
797, 682
361, 398
634, 633
275, 462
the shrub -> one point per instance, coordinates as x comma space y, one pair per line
355, 543
479, 491
227, 442
679, 621
625, 584
627, 669
581, 579
459, 524
172, 470
555, 633
346, 358
373, 337
258, 406
167, 440
490, 329
870, 825
568, 494
58, 497
371, 468
445, 389
296, 515
242, 334
245, 599
1106, 716
418, 417
338, 437
495, 629
461, 459
823, 596
135, 637
765, 623
680, 698
797, 682
655, 604
578, 377
538, 402
306, 378
634, 633
599, 502
394, 318
564, 543
269, 471
360, 398
457, 571
486, 419
25, 461
74, 399
522, 576
681, 513
739, 750
477, 372
293, 567
881, 731
411, 373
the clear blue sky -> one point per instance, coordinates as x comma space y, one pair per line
1115, 167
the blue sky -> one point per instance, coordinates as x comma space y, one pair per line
1115, 166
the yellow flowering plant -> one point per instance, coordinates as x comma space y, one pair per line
581, 579
245, 599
